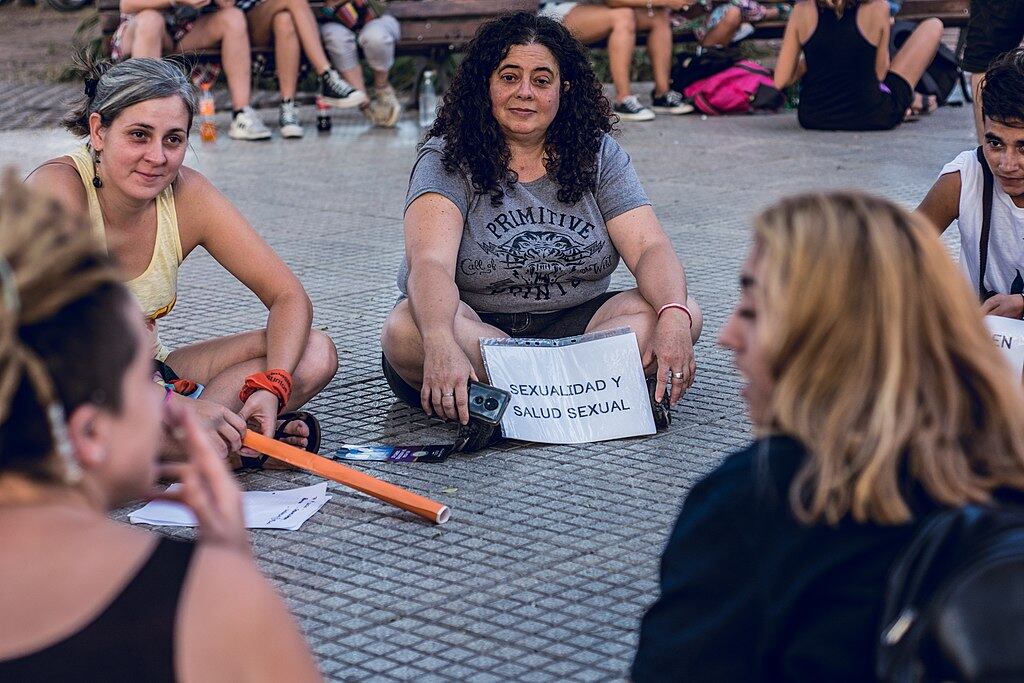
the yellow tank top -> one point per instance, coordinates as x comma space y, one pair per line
156, 289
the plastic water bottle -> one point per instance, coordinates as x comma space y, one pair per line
207, 128
428, 100
323, 116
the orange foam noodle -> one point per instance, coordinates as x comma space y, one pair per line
335, 471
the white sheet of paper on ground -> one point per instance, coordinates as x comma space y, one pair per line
1008, 336
262, 509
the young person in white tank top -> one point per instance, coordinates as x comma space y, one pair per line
959, 193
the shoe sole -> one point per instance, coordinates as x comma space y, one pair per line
249, 137
674, 110
392, 120
291, 134
353, 100
634, 117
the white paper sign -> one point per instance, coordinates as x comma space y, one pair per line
262, 509
1008, 336
573, 390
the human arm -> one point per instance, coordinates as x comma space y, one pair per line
207, 218
941, 205
704, 624
650, 257
224, 594
433, 233
881, 24
790, 65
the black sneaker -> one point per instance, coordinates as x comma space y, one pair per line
671, 102
630, 109
661, 409
335, 91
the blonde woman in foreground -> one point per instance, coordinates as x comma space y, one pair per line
878, 398
86, 598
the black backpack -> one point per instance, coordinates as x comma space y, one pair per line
941, 76
690, 68
954, 605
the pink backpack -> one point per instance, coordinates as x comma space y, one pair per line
730, 91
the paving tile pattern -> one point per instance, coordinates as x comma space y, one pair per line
552, 552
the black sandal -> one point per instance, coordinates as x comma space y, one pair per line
250, 462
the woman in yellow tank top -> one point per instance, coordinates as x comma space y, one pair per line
152, 212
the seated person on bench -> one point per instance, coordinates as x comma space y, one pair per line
519, 208
152, 212
995, 266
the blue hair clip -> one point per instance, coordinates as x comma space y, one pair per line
90, 86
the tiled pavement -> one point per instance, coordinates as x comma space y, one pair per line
551, 554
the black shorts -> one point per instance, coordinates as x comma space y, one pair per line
995, 27
567, 322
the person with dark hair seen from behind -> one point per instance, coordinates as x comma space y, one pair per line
839, 51
990, 177
519, 207
87, 598
151, 28
994, 27
152, 212
878, 400
618, 22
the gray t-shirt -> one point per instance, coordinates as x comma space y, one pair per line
533, 253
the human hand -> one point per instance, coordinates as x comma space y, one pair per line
223, 4
260, 411
446, 375
1004, 305
195, 4
224, 423
671, 347
676, 5
206, 485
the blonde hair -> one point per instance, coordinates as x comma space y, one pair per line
64, 338
881, 363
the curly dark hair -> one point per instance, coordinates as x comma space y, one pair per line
1002, 92
474, 144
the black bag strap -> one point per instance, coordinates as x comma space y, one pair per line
986, 222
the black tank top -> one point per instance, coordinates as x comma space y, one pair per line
131, 640
840, 89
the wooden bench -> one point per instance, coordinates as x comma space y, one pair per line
431, 28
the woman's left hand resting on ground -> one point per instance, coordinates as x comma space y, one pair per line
649, 255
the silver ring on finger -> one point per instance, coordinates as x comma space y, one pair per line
677, 375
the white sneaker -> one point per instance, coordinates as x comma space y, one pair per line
288, 118
630, 109
384, 109
248, 126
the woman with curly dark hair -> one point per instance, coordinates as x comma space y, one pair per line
519, 207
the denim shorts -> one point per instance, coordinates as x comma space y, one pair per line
568, 322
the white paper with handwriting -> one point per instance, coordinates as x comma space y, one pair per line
262, 509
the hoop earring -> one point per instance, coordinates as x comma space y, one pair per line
96, 182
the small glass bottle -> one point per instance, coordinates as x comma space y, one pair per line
207, 127
428, 100
323, 116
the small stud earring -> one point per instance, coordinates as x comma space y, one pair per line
96, 182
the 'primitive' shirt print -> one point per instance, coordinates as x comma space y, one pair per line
532, 253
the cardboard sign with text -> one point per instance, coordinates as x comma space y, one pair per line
1008, 336
572, 390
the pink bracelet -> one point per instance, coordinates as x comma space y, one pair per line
681, 307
